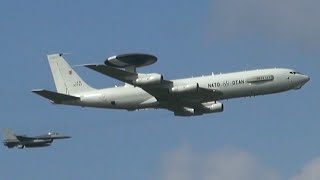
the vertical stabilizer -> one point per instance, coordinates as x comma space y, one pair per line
9, 135
66, 80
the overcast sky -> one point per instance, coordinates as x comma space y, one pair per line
272, 137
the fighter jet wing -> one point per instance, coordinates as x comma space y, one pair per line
24, 138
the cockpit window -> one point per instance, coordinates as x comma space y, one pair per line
294, 72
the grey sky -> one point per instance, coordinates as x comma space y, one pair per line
282, 20
183, 163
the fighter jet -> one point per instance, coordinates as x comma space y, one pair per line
184, 97
22, 141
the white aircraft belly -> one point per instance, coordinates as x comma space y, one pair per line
119, 98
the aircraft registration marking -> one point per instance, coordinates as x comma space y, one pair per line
77, 83
226, 83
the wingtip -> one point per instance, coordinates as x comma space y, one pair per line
36, 90
86, 65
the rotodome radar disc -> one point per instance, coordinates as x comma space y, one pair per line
132, 59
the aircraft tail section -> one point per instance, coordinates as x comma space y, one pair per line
9, 135
66, 80
55, 97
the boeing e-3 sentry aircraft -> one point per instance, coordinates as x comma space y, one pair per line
184, 97
21, 141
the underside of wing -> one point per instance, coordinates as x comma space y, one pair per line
200, 102
190, 99
195, 109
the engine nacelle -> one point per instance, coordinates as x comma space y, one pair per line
189, 88
208, 107
149, 79
212, 107
185, 111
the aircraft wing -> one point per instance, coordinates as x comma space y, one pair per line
115, 73
24, 138
160, 91
121, 75
191, 100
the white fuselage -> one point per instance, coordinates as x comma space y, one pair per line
232, 85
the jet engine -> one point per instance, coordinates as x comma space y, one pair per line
212, 107
149, 79
185, 111
208, 107
190, 88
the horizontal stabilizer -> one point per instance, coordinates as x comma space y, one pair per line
54, 96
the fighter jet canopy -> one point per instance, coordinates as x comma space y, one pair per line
53, 133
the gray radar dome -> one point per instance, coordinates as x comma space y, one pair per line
130, 60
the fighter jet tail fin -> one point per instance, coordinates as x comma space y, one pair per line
66, 80
9, 135
56, 98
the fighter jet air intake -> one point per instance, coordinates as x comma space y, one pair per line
184, 97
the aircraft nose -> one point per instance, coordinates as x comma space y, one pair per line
302, 80
306, 79
65, 137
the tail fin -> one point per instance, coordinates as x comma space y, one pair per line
9, 135
66, 80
